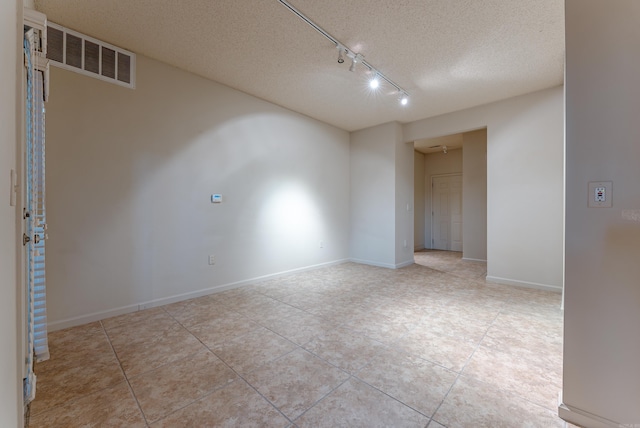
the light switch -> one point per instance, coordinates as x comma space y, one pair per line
600, 194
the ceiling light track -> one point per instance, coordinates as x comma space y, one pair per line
345, 51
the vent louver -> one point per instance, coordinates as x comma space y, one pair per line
77, 52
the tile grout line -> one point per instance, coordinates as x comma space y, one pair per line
324, 396
124, 374
503, 311
351, 375
243, 378
464, 366
297, 347
159, 366
73, 400
229, 367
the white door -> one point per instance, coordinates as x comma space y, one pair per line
446, 203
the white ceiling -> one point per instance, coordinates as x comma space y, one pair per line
448, 54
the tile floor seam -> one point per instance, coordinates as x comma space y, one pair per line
222, 386
201, 398
322, 398
334, 365
266, 399
265, 362
205, 394
79, 397
462, 369
128, 377
240, 376
190, 403
226, 340
163, 364
509, 392
286, 338
480, 380
392, 397
124, 374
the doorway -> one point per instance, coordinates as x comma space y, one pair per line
461, 223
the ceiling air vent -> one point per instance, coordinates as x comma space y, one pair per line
77, 52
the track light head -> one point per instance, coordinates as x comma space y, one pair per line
404, 99
354, 60
374, 83
341, 50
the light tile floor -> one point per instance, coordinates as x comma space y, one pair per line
431, 345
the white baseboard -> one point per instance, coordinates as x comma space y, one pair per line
384, 265
474, 260
97, 316
586, 419
524, 284
372, 263
406, 263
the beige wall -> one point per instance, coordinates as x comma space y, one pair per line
525, 165
419, 200
130, 174
474, 195
372, 195
437, 164
403, 199
10, 372
601, 385
381, 189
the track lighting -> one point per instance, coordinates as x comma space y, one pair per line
344, 51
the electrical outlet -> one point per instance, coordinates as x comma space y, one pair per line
212, 259
600, 194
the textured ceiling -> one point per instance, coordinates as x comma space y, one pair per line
448, 54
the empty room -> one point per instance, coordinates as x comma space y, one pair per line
317, 214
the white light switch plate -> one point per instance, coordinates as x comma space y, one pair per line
600, 194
